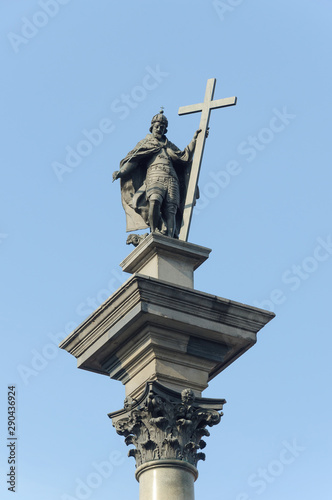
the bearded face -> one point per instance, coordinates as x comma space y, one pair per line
158, 130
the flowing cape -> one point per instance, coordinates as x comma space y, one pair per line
133, 189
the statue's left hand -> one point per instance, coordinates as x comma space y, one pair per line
196, 134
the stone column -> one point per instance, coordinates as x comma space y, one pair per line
165, 341
166, 429
166, 480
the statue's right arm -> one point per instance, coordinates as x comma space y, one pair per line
125, 170
126, 167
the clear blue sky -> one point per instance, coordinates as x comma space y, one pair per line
70, 67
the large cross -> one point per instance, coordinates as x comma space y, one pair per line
205, 107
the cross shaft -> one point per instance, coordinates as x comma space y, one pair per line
204, 107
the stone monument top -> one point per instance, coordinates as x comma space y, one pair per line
159, 181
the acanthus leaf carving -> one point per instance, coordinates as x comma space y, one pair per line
164, 424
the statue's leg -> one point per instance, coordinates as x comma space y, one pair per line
170, 225
170, 213
172, 200
155, 199
154, 214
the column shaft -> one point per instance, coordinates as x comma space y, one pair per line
166, 480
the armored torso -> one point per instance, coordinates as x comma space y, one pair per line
161, 163
161, 179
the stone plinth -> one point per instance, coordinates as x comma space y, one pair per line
157, 327
166, 259
153, 330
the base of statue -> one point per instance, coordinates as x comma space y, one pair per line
156, 333
167, 259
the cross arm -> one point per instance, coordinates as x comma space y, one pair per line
219, 103
192, 108
223, 103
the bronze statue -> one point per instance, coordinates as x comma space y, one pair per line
154, 178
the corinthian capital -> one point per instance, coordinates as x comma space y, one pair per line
164, 424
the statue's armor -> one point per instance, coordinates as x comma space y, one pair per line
162, 183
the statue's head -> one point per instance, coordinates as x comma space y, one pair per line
159, 124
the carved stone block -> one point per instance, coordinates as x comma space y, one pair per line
164, 424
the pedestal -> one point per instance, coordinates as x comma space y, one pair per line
165, 341
166, 259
